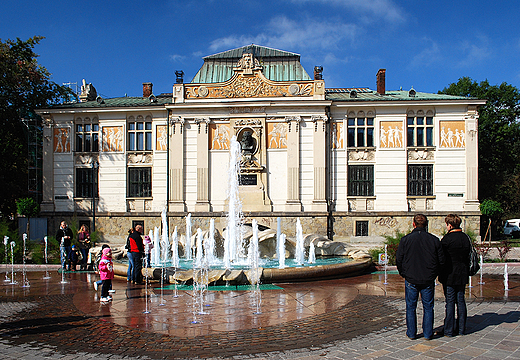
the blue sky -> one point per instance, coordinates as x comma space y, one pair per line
118, 45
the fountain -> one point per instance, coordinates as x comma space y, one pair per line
6, 240
243, 254
12, 263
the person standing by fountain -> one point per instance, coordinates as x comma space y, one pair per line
64, 236
106, 273
419, 259
454, 275
83, 245
136, 252
129, 256
148, 246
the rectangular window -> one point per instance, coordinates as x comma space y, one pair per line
420, 180
361, 180
361, 228
420, 131
84, 183
140, 182
87, 136
140, 136
360, 132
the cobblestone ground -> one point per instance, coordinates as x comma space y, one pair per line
51, 325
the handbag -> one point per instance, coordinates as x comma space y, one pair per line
474, 265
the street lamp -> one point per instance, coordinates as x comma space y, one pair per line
94, 166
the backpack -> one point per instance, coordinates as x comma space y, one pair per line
474, 265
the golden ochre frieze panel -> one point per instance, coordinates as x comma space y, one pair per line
244, 86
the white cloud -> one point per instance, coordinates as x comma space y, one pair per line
284, 33
385, 9
177, 58
429, 53
474, 53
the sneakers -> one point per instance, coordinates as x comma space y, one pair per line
111, 291
109, 298
95, 285
104, 299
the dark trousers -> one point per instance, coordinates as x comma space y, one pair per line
412, 292
107, 285
137, 275
455, 295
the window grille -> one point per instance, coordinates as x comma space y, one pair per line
140, 182
420, 180
361, 180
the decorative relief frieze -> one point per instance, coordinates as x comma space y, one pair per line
85, 159
62, 140
361, 155
248, 122
421, 154
135, 159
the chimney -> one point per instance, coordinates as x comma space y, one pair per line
381, 81
147, 89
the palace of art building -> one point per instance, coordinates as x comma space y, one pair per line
348, 162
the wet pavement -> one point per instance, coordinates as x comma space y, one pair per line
359, 317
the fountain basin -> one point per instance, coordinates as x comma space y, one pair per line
308, 272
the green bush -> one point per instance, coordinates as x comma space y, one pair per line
392, 243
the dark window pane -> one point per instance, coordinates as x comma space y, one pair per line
148, 126
87, 127
351, 122
361, 228
95, 127
140, 141
131, 141
361, 180
87, 142
429, 121
361, 137
79, 142
95, 142
140, 126
370, 121
370, 137
409, 137
131, 126
420, 121
361, 121
410, 121
351, 138
148, 141
420, 136
429, 136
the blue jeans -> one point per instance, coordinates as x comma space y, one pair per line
64, 256
455, 294
130, 266
427, 297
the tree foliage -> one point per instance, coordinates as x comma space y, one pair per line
499, 140
24, 86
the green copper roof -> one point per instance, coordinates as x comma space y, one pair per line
278, 65
364, 94
118, 102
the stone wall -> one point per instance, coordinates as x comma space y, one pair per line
114, 229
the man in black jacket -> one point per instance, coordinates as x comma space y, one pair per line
419, 259
64, 237
136, 253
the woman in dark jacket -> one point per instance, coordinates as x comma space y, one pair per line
454, 276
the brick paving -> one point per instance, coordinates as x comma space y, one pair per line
349, 318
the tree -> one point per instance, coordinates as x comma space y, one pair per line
24, 86
499, 140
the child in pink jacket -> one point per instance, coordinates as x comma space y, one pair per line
106, 273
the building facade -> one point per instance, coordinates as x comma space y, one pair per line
349, 162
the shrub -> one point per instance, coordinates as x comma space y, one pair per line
392, 243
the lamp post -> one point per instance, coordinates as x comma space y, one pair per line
94, 166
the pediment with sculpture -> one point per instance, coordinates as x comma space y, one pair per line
248, 81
